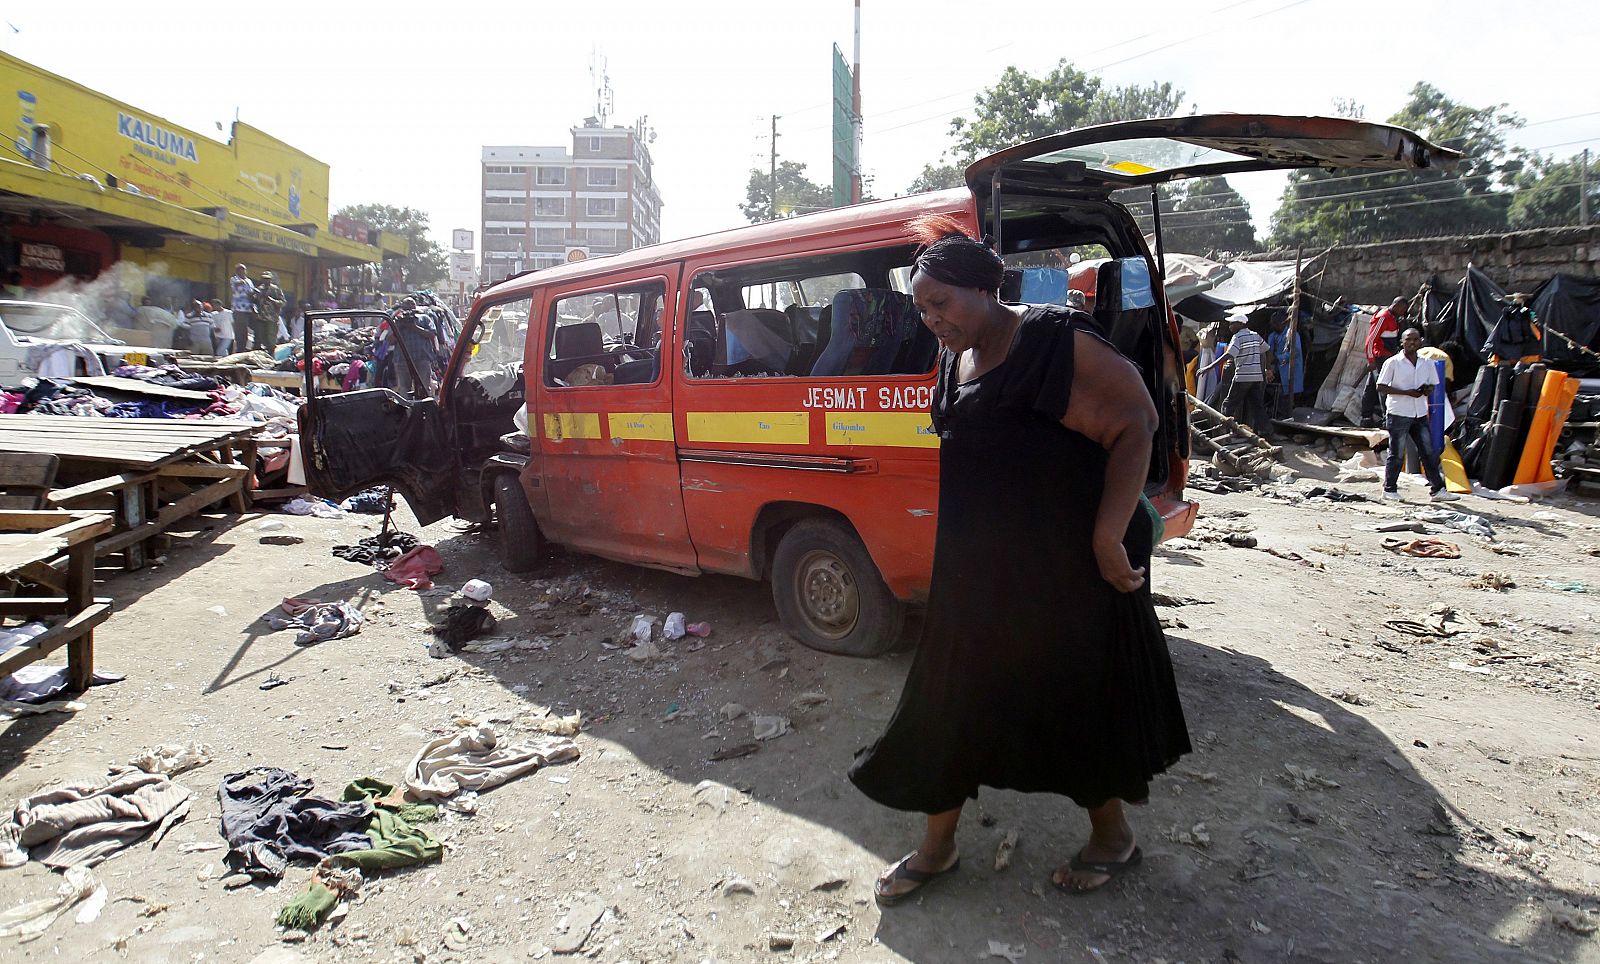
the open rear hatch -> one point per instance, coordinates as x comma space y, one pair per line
1144, 152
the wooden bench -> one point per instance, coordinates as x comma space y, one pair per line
38, 538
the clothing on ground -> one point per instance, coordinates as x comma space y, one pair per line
464, 623
475, 759
1012, 687
396, 840
269, 819
320, 621
415, 569
81, 824
1400, 372
374, 552
36, 683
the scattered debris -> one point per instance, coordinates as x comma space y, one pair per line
1354, 699
1004, 951
579, 922
273, 681
172, 758
642, 628
769, 727
1003, 853
30, 920
1574, 918
734, 752
1240, 540
1498, 582
734, 886
673, 628
781, 942
828, 933
732, 711
1307, 778
1424, 548
806, 701
1196, 836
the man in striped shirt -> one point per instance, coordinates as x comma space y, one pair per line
1245, 395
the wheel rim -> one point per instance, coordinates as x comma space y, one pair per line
828, 598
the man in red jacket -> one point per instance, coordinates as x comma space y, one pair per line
1383, 340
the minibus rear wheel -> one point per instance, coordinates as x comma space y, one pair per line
520, 543
829, 593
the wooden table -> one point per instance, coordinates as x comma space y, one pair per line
151, 472
30, 539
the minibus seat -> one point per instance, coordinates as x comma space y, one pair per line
638, 372
806, 322
917, 351
1128, 329
759, 340
579, 344
700, 342
869, 327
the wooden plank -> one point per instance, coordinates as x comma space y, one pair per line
182, 509
17, 553
38, 520
80, 600
201, 470
54, 638
134, 386
98, 487
32, 606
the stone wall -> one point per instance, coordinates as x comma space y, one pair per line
1519, 261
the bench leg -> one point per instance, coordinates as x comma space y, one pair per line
134, 504
80, 596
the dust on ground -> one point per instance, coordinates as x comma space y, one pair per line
1358, 791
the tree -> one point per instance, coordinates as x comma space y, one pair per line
426, 265
1202, 216
1021, 107
1547, 193
937, 177
797, 194
1321, 207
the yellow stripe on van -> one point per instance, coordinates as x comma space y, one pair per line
897, 429
651, 426
762, 428
564, 425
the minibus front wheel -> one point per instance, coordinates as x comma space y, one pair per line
829, 593
520, 543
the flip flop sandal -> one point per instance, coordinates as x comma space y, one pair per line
903, 871
1110, 869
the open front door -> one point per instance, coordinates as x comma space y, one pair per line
1144, 152
375, 436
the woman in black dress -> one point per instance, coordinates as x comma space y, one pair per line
1042, 667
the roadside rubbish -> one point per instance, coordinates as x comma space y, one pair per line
1240, 540
271, 525
439, 649
31, 919
372, 501
559, 725
1564, 586
172, 758
580, 922
1495, 581
375, 550
464, 623
1002, 853
710, 793
1572, 917
1472, 525
281, 540
781, 941
1307, 778
504, 644
769, 727
642, 627
732, 711
1424, 548
11, 709
317, 620
273, 681
701, 630
476, 760
415, 569
737, 885
806, 701
269, 819
37, 683
82, 824
319, 508
477, 590
1003, 951
1334, 495
734, 752
1444, 622
673, 628
644, 651
1361, 467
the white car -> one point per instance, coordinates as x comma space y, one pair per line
26, 326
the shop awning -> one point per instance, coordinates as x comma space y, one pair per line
85, 202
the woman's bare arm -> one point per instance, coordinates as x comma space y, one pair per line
1111, 405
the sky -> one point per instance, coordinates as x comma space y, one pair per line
399, 99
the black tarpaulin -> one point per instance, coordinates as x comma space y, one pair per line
1478, 303
1570, 305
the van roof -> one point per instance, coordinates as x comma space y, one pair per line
821, 223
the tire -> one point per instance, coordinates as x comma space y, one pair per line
829, 593
521, 546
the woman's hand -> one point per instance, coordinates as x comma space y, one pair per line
1115, 568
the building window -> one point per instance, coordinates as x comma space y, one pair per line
496, 169
594, 145
602, 177
550, 206
550, 236
551, 175
601, 207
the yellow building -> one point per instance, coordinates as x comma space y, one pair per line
87, 181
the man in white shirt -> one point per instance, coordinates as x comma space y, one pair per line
1405, 382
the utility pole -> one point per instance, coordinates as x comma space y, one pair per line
855, 109
772, 172
1583, 189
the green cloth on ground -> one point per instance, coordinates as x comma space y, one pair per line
307, 910
395, 842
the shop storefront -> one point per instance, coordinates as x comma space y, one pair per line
88, 182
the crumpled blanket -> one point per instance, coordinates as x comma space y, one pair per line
1472, 525
37, 683
415, 569
463, 624
320, 621
474, 759
81, 824
268, 820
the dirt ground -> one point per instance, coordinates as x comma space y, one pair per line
1357, 792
